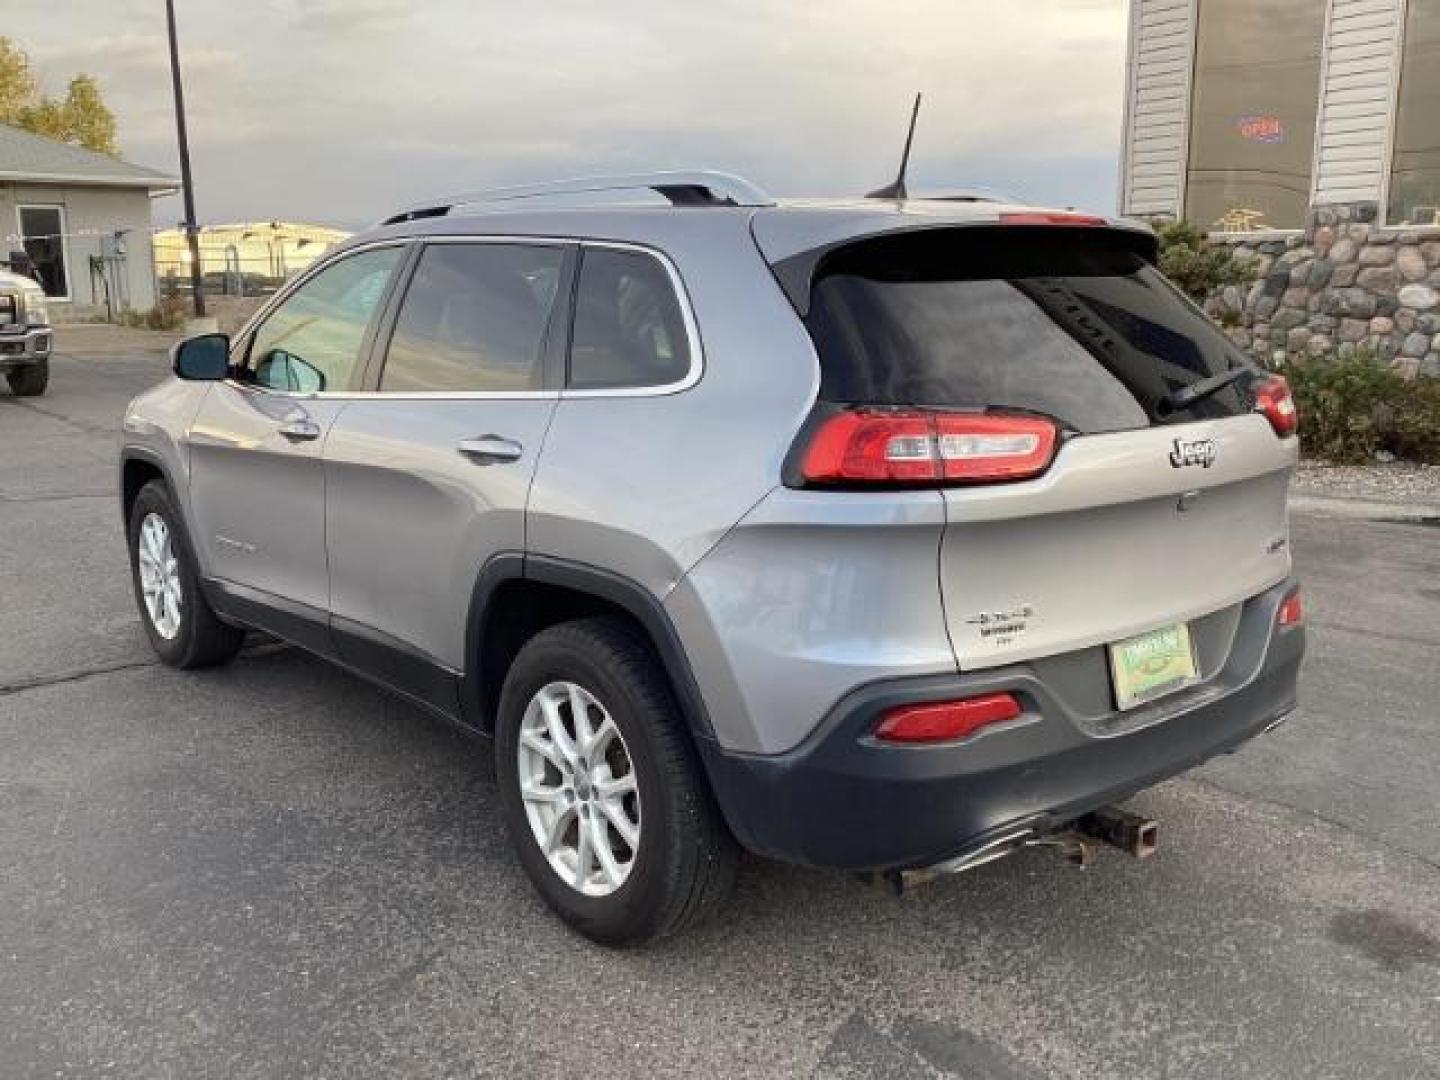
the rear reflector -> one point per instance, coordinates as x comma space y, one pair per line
1272, 397
946, 721
916, 446
1292, 611
1050, 217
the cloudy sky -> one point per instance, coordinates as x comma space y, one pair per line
339, 111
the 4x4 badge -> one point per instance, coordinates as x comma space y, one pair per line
1193, 452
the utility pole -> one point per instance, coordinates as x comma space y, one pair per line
192, 230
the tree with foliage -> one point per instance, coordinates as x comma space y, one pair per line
1189, 260
81, 117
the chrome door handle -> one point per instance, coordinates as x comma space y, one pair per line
485, 449
300, 430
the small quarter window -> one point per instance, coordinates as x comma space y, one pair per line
629, 331
474, 318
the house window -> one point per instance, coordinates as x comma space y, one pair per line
42, 231
1252, 128
1415, 168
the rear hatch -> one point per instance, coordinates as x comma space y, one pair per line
1146, 511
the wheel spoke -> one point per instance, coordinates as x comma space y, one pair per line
584, 850
580, 713
603, 734
546, 749
537, 794
616, 786
556, 726
556, 832
600, 839
628, 830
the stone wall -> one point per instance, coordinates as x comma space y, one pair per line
1345, 283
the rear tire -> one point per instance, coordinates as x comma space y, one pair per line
30, 380
683, 864
182, 627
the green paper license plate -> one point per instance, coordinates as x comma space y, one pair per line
1151, 665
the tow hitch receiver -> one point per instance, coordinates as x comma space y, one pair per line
1135, 835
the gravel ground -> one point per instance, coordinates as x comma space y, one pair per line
1397, 482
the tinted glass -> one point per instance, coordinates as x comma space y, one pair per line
474, 318
1083, 330
1252, 126
312, 341
628, 326
1415, 181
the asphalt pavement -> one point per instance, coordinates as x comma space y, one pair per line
276, 870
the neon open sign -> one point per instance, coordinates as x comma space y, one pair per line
1265, 129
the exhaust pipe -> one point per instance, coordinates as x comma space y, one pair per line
1137, 836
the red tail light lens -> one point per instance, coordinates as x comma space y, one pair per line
1292, 611
1050, 217
914, 446
946, 721
1273, 398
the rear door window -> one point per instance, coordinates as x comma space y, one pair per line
474, 318
1072, 324
629, 330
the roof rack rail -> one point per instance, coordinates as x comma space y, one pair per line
698, 188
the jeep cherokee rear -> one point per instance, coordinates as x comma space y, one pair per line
874, 535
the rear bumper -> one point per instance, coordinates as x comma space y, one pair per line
21, 350
844, 800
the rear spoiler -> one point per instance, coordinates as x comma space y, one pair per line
796, 273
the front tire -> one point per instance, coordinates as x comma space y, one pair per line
601, 790
30, 380
183, 629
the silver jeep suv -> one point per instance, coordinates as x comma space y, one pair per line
881, 535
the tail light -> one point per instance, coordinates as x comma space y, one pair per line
1050, 217
1273, 398
1292, 611
914, 446
946, 721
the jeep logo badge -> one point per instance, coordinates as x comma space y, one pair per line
1193, 452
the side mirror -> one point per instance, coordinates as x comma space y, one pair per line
203, 358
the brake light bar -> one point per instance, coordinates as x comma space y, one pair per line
946, 721
916, 446
1050, 217
1273, 398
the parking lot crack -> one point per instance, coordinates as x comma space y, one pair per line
36, 682
1344, 826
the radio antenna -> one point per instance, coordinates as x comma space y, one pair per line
897, 190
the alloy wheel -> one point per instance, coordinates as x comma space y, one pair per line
159, 576
579, 788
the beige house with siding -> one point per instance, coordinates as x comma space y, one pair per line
1244, 116
82, 219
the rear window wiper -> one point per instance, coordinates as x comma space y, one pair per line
1183, 398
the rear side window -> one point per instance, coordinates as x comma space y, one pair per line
474, 318
629, 331
1064, 322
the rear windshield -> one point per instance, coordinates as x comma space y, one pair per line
1067, 322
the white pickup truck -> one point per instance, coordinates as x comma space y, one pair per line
25, 335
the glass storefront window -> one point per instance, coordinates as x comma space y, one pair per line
1253, 106
1415, 172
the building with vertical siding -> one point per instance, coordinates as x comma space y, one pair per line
81, 220
1247, 115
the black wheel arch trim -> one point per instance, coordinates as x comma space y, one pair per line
606, 585
149, 457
